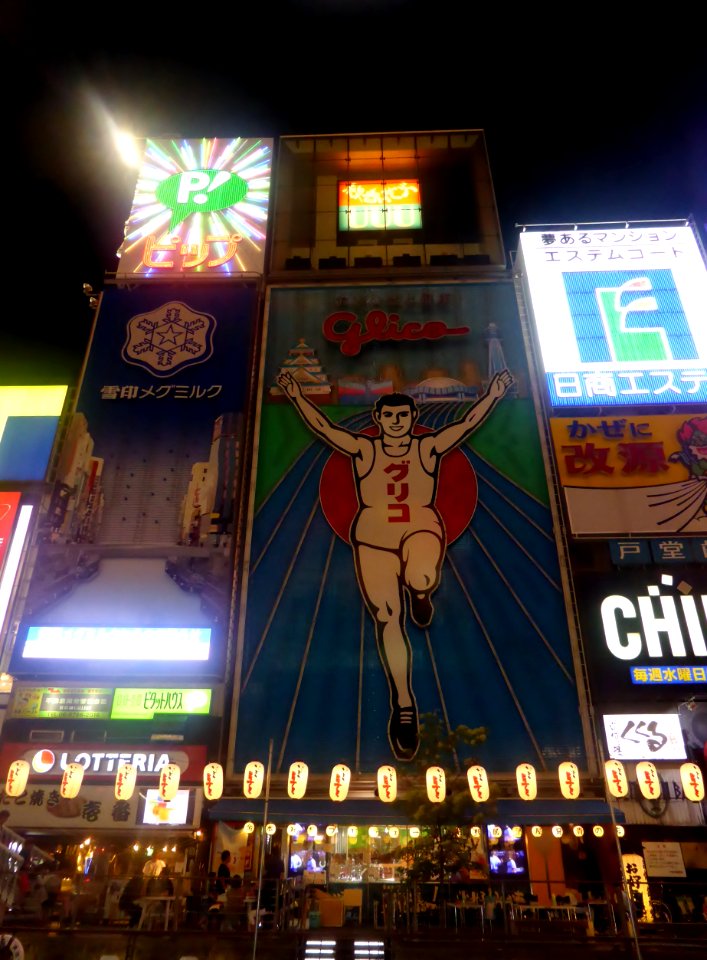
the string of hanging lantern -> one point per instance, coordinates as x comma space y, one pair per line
616, 778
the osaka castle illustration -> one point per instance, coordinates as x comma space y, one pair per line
303, 364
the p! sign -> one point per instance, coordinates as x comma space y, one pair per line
200, 191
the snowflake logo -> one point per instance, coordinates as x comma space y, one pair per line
169, 338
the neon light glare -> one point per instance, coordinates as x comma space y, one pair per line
14, 555
117, 643
379, 205
200, 206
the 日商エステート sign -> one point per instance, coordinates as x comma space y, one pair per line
619, 314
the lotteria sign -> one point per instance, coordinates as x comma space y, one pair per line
200, 207
619, 314
644, 632
103, 760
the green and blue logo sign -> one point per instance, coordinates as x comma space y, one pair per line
620, 313
621, 317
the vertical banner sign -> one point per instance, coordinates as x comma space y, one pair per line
143, 507
9, 502
200, 207
402, 560
619, 314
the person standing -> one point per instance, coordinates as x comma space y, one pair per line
223, 874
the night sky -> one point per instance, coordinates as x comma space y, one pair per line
589, 114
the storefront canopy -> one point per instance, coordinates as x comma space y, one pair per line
556, 811
375, 812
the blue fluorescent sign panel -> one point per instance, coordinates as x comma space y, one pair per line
117, 643
620, 314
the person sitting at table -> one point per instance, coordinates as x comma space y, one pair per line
131, 893
160, 886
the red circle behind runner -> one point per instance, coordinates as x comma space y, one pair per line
457, 491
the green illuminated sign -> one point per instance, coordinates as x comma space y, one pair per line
86, 703
140, 703
200, 191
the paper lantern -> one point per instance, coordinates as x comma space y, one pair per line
616, 779
387, 783
537, 832
527, 781
598, 830
17, 777
557, 831
297, 780
373, 833
312, 830
249, 827
569, 780
169, 781
293, 829
516, 832
578, 830
394, 832
331, 830
693, 784
352, 833
71, 780
253, 779
647, 778
478, 783
125, 780
339, 783
270, 829
476, 832
436, 784
619, 831
213, 781
414, 832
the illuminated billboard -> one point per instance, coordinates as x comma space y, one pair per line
86, 703
131, 703
619, 313
145, 500
200, 208
637, 474
379, 205
644, 634
439, 353
644, 736
29, 417
97, 809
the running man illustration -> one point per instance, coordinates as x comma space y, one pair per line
397, 535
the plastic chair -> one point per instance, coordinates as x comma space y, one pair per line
353, 904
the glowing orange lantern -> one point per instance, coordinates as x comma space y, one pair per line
253, 779
436, 784
387, 783
478, 783
125, 779
616, 779
71, 780
527, 781
17, 777
693, 784
647, 777
169, 781
536, 831
569, 780
339, 783
213, 781
297, 780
